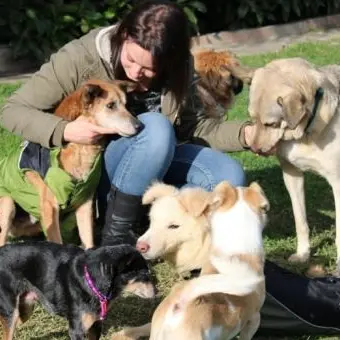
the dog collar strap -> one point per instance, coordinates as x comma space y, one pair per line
318, 95
104, 300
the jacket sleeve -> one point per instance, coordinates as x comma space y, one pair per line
200, 129
27, 113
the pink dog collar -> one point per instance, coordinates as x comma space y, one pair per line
104, 300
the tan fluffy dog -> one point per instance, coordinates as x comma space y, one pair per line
295, 106
102, 103
215, 85
218, 306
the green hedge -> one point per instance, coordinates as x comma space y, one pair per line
237, 14
35, 28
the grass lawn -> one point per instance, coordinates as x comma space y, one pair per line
279, 235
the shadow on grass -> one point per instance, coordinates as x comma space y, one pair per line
130, 311
280, 231
49, 336
319, 198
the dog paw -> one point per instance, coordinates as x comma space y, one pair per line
299, 258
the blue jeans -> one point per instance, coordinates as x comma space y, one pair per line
132, 164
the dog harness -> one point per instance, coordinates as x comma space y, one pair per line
70, 193
318, 96
103, 299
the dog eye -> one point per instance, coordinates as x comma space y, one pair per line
272, 125
173, 226
112, 105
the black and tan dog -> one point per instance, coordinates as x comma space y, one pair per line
70, 282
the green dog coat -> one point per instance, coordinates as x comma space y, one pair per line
69, 192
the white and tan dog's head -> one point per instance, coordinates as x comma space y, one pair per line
228, 199
178, 219
238, 216
282, 97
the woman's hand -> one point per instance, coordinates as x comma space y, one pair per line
249, 133
84, 132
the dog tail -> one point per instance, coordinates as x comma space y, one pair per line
238, 278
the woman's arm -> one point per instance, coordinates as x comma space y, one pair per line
196, 126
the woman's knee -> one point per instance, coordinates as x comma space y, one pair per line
229, 169
195, 165
157, 135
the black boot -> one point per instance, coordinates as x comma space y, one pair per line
123, 219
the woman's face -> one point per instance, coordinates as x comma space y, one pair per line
137, 64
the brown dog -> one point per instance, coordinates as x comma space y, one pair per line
215, 85
99, 102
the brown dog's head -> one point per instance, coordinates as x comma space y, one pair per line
281, 100
216, 87
103, 103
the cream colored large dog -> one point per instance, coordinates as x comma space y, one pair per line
295, 106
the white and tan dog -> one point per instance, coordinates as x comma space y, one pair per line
295, 108
226, 299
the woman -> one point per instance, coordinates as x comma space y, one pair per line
150, 46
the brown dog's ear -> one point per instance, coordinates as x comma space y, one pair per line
158, 190
126, 85
293, 108
91, 92
223, 194
243, 73
263, 200
205, 96
195, 202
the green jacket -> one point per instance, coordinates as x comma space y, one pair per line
69, 193
27, 112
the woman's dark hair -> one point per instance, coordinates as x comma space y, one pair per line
162, 28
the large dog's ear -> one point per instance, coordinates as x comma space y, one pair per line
223, 194
241, 72
205, 95
91, 92
293, 108
125, 261
126, 85
195, 202
158, 190
73, 105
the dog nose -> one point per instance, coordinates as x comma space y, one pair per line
237, 85
255, 149
142, 246
138, 125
